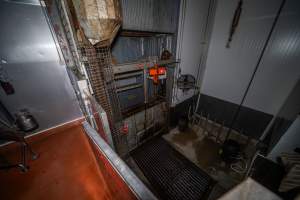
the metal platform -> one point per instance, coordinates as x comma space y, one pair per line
170, 173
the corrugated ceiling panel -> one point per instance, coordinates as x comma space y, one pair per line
150, 15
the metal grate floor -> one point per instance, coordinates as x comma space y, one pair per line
170, 173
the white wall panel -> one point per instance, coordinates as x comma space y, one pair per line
279, 69
228, 70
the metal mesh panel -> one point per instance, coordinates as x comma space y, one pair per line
97, 61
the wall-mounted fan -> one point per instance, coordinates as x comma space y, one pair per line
186, 82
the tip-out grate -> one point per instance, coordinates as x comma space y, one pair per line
171, 174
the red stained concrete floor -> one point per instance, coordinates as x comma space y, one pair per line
67, 168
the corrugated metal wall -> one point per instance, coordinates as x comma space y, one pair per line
150, 15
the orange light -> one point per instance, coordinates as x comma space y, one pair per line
161, 70
152, 71
157, 71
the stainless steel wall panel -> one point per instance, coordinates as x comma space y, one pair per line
30, 57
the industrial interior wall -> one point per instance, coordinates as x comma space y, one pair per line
228, 70
191, 41
32, 64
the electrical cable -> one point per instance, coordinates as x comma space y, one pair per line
240, 166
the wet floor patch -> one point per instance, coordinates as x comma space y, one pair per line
204, 152
183, 138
